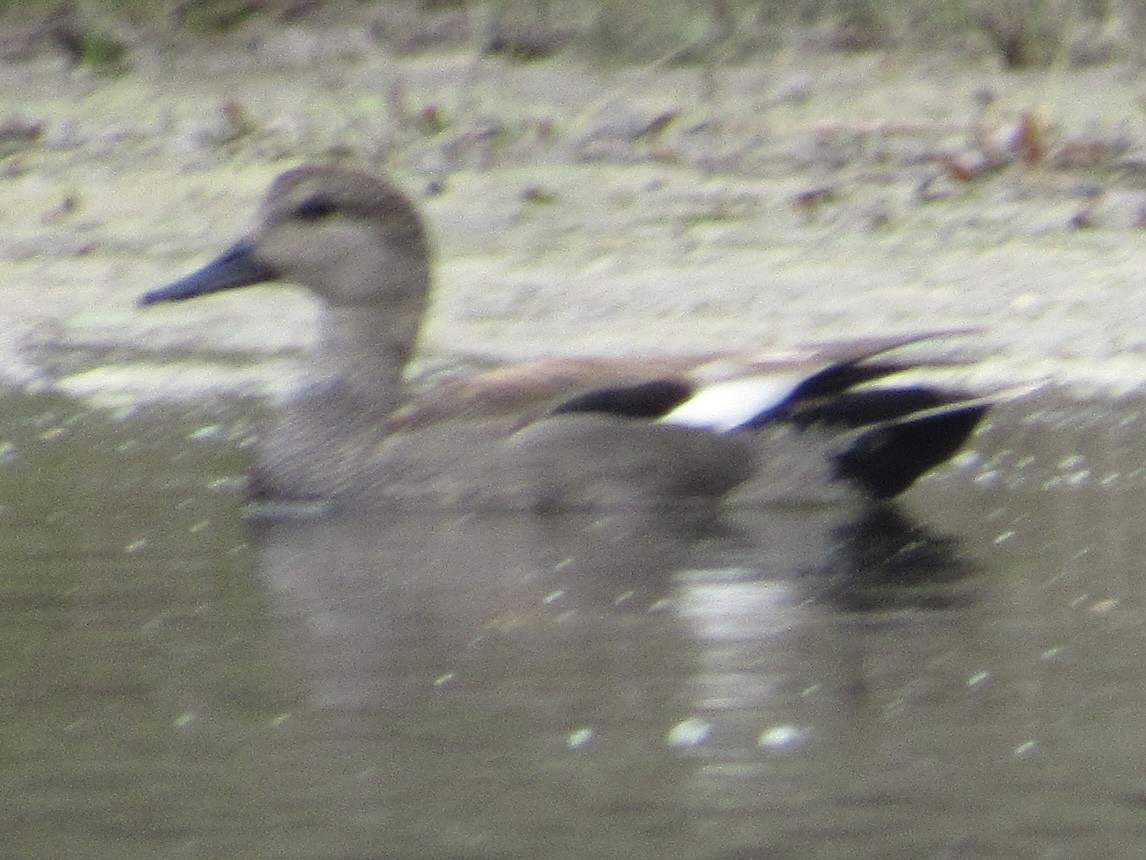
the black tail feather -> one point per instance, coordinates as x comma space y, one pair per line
855, 409
822, 388
888, 459
838, 378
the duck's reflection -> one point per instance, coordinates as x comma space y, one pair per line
387, 609
883, 560
491, 677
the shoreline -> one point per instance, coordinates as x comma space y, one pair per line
577, 210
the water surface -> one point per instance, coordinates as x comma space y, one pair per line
959, 676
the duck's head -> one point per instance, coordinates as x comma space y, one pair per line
350, 237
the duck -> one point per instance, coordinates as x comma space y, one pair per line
556, 432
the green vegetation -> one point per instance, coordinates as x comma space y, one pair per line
1021, 33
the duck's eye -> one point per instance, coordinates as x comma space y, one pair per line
315, 207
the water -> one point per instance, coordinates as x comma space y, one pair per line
959, 677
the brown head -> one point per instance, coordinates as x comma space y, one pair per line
352, 238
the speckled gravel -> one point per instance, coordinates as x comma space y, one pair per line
575, 209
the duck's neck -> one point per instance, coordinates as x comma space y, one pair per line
364, 351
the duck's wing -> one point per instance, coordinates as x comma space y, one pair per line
718, 391
823, 385
887, 435
523, 392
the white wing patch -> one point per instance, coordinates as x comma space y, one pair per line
724, 406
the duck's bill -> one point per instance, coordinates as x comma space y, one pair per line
236, 267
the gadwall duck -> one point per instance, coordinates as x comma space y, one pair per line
557, 432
